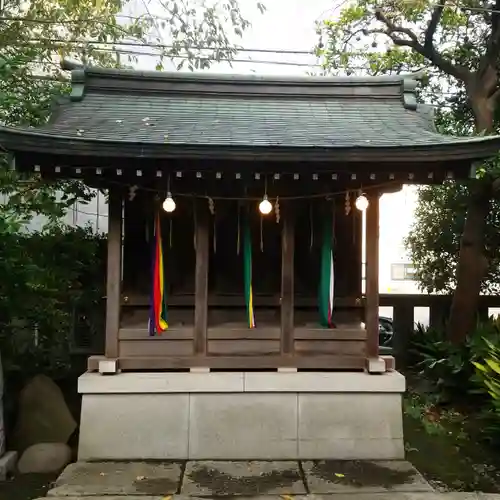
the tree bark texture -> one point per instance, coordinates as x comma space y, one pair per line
471, 269
472, 262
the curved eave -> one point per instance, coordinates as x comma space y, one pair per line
476, 148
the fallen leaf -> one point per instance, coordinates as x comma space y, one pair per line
338, 474
168, 497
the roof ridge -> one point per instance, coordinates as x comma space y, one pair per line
85, 78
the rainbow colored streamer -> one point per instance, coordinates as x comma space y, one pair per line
158, 311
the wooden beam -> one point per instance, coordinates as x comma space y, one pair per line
113, 284
238, 301
201, 279
326, 362
372, 265
340, 333
287, 280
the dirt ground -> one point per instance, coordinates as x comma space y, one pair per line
26, 487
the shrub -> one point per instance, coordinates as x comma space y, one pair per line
447, 367
49, 279
488, 374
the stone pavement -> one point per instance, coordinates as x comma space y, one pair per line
328, 479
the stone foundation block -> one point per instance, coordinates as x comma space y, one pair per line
133, 426
243, 426
241, 416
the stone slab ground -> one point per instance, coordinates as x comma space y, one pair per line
340, 496
263, 480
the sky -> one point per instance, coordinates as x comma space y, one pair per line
286, 25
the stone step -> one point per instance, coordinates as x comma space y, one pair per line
206, 479
112, 497
341, 496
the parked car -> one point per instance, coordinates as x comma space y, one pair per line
385, 334
385, 331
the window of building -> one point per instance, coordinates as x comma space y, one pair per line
402, 272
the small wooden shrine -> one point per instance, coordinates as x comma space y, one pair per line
236, 318
234, 237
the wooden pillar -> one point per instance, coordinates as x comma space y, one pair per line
287, 281
113, 284
482, 313
372, 285
438, 314
201, 279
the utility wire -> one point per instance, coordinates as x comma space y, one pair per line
152, 18
170, 46
165, 46
186, 57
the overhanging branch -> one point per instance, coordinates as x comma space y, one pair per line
489, 60
432, 26
427, 49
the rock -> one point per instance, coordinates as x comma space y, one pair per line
44, 416
7, 464
44, 458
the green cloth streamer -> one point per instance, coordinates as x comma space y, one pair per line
326, 285
247, 272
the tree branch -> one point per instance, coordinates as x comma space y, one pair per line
427, 50
392, 28
493, 44
432, 26
495, 96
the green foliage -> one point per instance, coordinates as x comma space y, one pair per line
417, 408
434, 239
34, 35
448, 367
50, 279
488, 374
379, 38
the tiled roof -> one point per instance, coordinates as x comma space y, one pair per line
245, 121
156, 114
244, 111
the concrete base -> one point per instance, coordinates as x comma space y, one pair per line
241, 416
8, 463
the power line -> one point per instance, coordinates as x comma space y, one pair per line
146, 44
186, 57
152, 18
168, 46
231, 60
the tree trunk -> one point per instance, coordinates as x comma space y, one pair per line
472, 263
471, 269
